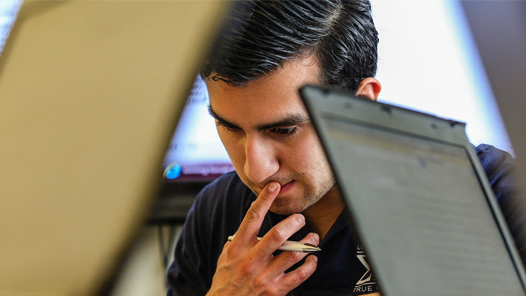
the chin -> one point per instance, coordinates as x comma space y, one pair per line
284, 212
286, 208
282, 209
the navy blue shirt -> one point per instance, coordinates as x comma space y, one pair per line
342, 264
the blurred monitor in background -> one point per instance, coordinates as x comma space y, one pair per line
194, 158
195, 153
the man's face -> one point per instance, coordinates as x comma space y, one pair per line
269, 136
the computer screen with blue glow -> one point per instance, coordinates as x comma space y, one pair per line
195, 153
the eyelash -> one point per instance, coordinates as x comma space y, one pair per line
227, 127
285, 132
279, 132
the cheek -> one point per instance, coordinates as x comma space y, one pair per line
307, 155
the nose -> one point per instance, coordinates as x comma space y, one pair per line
260, 159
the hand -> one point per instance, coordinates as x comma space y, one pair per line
247, 267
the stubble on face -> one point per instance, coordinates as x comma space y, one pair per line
322, 182
309, 199
299, 159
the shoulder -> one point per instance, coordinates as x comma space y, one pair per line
497, 164
501, 171
492, 156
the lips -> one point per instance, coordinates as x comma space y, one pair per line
283, 187
286, 187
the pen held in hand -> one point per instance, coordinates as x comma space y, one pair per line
293, 246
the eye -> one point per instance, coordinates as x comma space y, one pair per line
228, 127
284, 132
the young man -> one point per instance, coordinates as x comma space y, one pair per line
283, 188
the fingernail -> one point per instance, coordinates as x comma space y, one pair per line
272, 187
301, 216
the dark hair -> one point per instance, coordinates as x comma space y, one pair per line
259, 36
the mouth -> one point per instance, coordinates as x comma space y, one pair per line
286, 187
283, 187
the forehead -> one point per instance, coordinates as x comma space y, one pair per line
264, 99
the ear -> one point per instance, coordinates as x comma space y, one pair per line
369, 88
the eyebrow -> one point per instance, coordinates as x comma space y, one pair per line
291, 119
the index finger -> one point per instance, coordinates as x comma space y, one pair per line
251, 224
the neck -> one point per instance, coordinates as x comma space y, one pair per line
321, 216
